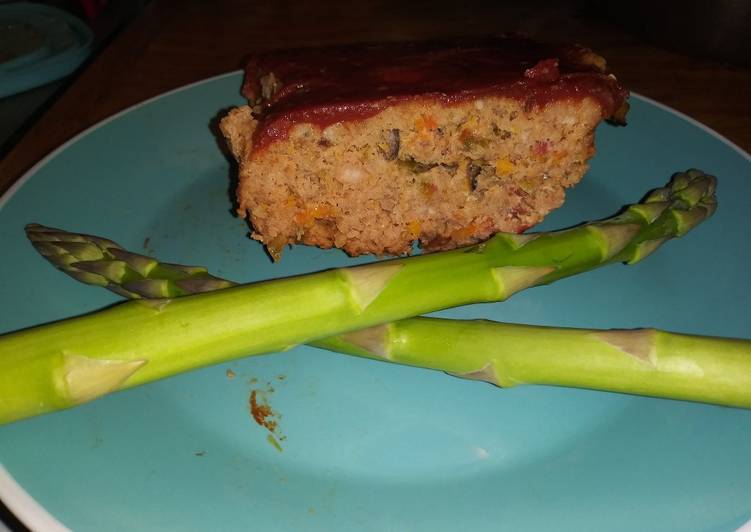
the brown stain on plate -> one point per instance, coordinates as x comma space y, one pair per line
262, 411
264, 415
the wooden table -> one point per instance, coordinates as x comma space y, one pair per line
174, 42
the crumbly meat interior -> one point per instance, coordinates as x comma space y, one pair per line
445, 176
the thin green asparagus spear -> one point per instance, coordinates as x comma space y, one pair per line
63, 364
636, 361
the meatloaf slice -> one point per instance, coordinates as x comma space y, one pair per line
372, 148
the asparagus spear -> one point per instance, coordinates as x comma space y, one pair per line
640, 361
636, 361
63, 364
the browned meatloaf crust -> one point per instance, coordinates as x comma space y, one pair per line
371, 148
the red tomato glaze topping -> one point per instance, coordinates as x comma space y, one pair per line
324, 86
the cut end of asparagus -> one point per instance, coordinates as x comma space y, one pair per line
512, 279
367, 282
637, 343
87, 378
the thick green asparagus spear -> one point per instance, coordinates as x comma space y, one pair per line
63, 364
642, 361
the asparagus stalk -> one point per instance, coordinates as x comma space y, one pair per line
636, 361
66, 363
641, 361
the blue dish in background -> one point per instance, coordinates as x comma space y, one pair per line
365, 445
41, 44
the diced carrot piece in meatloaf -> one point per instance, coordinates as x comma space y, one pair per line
371, 148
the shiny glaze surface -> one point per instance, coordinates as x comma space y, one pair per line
328, 85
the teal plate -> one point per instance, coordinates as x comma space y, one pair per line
370, 446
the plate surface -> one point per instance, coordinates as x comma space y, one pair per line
366, 445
